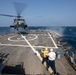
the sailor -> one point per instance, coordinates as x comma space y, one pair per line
44, 52
52, 56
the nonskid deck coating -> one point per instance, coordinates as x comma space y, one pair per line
18, 50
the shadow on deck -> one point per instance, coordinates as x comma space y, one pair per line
17, 69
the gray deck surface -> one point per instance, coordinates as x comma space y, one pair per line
14, 49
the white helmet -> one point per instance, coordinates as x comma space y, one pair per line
46, 49
51, 50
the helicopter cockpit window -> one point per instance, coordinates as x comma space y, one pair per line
19, 21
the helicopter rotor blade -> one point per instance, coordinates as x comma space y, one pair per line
7, 15
19, 7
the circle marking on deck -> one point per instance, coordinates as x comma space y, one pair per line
18, 39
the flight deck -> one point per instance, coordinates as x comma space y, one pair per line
22, 51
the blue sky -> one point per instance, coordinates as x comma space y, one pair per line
41, 12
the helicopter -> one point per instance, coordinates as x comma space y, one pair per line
18, 22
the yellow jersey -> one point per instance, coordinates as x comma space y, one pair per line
44, 53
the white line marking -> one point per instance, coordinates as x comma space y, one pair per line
26, 46
51, 71
13, 40
33, 38
53, 40
18, 40
11, 37
14, 45
30, 45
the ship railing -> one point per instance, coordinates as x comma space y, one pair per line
69, 51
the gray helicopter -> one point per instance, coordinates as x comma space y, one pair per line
18, 22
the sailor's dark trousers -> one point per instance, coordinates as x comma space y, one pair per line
52, 65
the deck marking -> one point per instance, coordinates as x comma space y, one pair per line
18, 40
29, 44
33, 38
38, 54
14, 45
26, 46
52, 40
45, 47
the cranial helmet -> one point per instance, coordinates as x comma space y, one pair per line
51, 50
46, 49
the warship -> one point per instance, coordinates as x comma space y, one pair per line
20, 52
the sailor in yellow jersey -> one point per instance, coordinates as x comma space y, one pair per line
44, 52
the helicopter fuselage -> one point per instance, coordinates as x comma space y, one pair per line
19, 23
